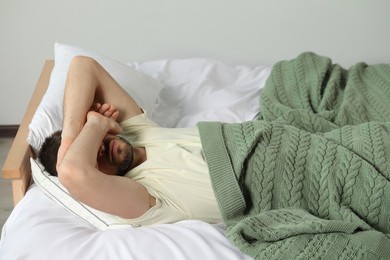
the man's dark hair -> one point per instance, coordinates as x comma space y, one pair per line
48, 153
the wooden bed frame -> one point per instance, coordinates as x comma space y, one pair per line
17, 164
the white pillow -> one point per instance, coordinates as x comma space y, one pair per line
51, 186
48, 117
200, 89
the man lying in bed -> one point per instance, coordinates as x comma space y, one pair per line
91, 159
308, 180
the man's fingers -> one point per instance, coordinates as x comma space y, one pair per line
115, 115
95, 106
107, 110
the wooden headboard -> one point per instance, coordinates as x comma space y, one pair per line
17, 164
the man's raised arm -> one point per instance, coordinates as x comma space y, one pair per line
88, 83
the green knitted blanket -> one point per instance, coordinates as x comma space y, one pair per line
310, 179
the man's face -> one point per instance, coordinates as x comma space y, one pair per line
115, 155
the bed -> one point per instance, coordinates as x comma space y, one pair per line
310, 180
43, 228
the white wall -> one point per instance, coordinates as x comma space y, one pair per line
250, 32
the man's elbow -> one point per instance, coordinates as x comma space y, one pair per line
70, 175
80, 60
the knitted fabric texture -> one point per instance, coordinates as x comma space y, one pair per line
310, 178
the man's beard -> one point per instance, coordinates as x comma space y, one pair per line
124, 166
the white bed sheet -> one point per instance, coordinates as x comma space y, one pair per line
38, 228
194, 90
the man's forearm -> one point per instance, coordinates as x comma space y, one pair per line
79, 95
83, 150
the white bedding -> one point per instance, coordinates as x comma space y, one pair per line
192, 90
40, 229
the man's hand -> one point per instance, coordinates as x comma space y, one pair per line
108, 124
106, 110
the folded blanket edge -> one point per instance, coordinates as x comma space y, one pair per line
226, 188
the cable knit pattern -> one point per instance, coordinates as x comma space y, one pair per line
311, 179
